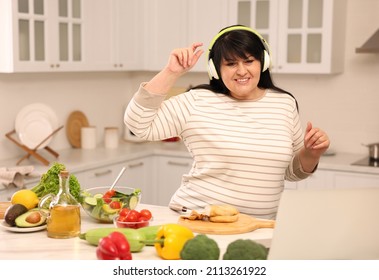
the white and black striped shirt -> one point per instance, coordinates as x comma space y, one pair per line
242, 150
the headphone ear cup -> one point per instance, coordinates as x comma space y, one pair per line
266, 61
212, 70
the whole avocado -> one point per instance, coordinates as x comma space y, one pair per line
201, 247
13, 212
245, 249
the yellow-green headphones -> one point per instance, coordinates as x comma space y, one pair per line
266, 59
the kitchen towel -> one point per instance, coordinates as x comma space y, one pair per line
14, 176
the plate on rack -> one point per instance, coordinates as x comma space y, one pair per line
76, 120
35, 130
34, 123
7, 227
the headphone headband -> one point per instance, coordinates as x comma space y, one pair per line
212, 69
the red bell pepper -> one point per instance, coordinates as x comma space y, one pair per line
115, 246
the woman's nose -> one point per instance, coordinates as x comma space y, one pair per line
241, 69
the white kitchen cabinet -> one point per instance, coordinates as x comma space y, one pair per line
174, 24
323, 178
99, 177
205, 19
305, 36
341, 179
41, 35
169, 172
136, 175
114, 39
139, 174
165, 29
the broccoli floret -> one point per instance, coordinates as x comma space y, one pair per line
245, 249
201, 247
49, 182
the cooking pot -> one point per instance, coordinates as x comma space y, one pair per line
373, 150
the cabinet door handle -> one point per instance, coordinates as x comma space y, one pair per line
178, 163
133, 165
102, 173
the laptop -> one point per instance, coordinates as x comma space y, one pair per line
327, 224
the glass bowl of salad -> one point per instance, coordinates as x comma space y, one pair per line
103, 204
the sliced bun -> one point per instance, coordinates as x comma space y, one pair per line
220, 210
224, 219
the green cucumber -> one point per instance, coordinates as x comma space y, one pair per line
133, 202
90, 200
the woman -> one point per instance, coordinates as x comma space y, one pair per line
243, 132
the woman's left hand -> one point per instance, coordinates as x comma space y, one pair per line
316, 141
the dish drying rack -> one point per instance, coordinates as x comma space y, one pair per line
34, 152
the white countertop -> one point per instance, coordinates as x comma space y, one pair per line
36, 245
77, 160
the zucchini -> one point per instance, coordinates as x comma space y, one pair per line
150, 234
135, 238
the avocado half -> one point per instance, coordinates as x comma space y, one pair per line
39, 215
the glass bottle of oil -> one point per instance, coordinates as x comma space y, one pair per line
64, 219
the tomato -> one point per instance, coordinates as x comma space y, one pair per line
115, 204
110, 193
106, 199
143, 219
124, 212
146, 213
132, 216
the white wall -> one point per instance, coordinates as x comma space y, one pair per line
345, 105
102, 97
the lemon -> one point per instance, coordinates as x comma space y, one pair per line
25, 197
108, 209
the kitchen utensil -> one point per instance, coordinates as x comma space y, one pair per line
179, 208
34, 123
373, 150
245, 223
34, 131
76, 120
118, 178
39, 109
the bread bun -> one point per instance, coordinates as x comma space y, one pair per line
224, 219
220, 210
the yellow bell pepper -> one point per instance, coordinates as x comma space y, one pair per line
171, 239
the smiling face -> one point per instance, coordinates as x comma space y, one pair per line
241, 76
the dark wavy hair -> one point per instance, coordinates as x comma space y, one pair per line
234, 44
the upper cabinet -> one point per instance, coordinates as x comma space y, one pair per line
41, 35
165, 29
70, 35
114, 34
305, 36
205, 20
174, 24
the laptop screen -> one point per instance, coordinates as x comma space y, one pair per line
327, 224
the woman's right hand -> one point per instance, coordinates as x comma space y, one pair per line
183, 59
180, 61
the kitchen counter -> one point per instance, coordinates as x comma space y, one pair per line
36, 245
77, 160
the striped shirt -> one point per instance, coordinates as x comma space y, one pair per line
242, 150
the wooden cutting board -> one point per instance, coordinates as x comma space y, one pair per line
3, 208
245, 223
